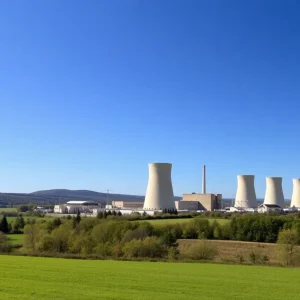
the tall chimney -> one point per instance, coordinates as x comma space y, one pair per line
204, 180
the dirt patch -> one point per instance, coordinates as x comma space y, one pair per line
238, 252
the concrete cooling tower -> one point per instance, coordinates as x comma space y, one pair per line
159, 193
245, 194
296, 193
274, 193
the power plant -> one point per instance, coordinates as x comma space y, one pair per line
159, 193
160, 196
245, 194
296, 193
274, 192
200, 201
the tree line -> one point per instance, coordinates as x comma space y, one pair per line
115, 236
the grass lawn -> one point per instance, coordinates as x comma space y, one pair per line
12, 219
61, 279
16, 239
183, 220
8, 209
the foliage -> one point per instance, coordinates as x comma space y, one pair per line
201, 251
148, 247
4, 227
19, 224
287, 241
5, 245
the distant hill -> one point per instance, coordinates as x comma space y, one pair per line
56, 196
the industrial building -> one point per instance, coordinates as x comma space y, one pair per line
72, 207
127, 204
274, 192
195, 201
245, 194
159, 194
204, 201
295, 202
265, 208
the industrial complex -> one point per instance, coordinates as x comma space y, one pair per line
160, 197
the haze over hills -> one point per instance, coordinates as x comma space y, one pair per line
56, 196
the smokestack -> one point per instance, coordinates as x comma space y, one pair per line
204, 180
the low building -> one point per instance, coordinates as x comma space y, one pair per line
125, 211
128, 204
263, 208
187, 205
207, 202
60, 209
73, 207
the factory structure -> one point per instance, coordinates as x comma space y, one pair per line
73, 207
160, 197
245, 199
159, 194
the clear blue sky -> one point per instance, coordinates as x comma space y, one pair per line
91, 91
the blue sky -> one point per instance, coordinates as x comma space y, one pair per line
91, 91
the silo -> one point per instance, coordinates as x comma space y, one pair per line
274, 192
245, 193
296, 193
159, 193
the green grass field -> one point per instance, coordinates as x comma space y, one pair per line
181, 221
16, 239
12, 219
61, 279
7, 209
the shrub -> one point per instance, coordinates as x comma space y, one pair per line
287, 241
149, 247
5, 245
254, 257
201, 251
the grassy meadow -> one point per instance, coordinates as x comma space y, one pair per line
16, 239
61, 279
8, 209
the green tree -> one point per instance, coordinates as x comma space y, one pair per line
4, 225
287, 241
78, 217
100, 215
5, 245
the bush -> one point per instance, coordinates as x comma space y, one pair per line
254, 257
149, 247
201, 251
287, 241
5, 245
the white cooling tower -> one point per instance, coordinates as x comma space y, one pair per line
245, 194
296, 193
159, 193
274, 192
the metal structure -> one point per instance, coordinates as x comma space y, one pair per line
245, 194
159, 193
296, 193
274, 192
204, 180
